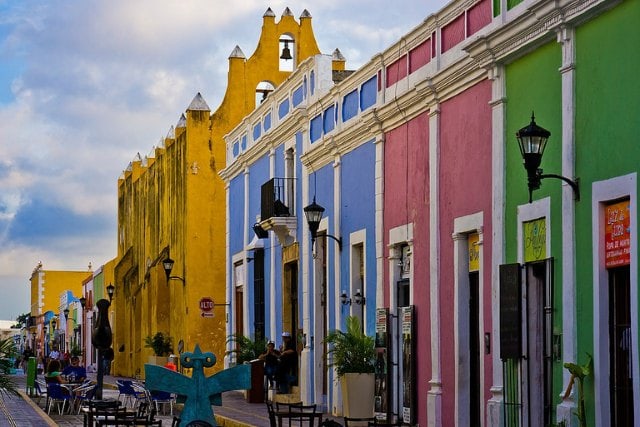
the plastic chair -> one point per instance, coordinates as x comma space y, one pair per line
162, 398
84, 394
57, 393
141, 394
40, 388
126, 393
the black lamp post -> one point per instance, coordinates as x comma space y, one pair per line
167, 264
110, 291
313, 213
344, 298
358, 298
532, 140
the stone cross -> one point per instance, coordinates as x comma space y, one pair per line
200, 391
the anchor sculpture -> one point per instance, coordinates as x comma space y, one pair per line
200, 391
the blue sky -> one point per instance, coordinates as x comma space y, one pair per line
87, 84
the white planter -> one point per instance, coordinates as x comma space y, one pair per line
158, 360
358, 392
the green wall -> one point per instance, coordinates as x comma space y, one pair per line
607, 130
533, 82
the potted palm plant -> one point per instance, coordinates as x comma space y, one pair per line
162, 346
352, 354
245, 349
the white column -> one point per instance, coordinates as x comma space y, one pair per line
275, 305
307, 392
379, 200
566, 36
248, 312
229, 291
434, 396
498, 141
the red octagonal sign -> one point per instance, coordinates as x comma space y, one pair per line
206, 304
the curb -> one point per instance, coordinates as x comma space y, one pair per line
39, 411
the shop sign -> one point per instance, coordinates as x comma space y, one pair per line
617, 237
474, 252
535, 240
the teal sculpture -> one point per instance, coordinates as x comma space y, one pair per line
199, 391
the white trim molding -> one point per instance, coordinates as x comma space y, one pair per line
462, 228
603, 192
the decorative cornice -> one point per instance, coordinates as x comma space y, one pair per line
535, 26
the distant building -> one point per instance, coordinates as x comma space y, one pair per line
46, 306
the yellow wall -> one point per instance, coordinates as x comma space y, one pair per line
46, 287
173, 204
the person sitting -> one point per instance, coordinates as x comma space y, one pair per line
270, 358
288, 362
53, 374
74, 372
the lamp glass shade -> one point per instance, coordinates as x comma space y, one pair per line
167, 264
532, 138
110, 290
343, 297
66, 313
357, 297
313, 213
83, 301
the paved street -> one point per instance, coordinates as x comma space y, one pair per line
18, 412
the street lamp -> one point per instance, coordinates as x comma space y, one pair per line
313, 213
167, 264
532, 140
344, 298
358, 298
110, 291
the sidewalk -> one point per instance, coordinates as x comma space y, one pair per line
23, 411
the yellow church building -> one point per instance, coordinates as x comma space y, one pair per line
172, 207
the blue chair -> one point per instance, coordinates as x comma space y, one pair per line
162, 398
126, 393
57, 393
84, 394
41, 391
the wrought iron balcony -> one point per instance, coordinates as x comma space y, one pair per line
277, 209
277, 198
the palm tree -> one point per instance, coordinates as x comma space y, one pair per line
7, 351
353, 352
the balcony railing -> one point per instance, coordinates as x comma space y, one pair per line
277, 198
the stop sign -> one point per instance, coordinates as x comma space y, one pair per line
206, 304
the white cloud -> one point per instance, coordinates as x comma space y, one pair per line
97, 82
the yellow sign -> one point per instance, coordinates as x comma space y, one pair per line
535, 240
474, 252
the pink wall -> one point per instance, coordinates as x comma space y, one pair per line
406, 199
465, 188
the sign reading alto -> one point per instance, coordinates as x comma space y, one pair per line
206, 307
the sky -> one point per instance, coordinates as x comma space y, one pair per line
87, 84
